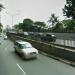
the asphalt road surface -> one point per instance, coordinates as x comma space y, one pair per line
12, 64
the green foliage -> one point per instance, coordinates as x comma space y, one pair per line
69, 25
1, 27
0, 30
73, 3
1, 7
53, 19
40, 24
58, 27
29, 25
27, 21
69, 9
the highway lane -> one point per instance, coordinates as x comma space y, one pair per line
12, 64
7, 63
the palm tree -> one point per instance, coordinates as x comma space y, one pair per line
53, 20
1, 7
39, 25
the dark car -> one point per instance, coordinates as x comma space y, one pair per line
48, 37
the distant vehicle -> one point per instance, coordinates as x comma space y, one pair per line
26, 33
25, 49
48, 37
5, 36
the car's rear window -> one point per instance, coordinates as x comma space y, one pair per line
26, 45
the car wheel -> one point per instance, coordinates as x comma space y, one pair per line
15, 51
22, 55
54, 40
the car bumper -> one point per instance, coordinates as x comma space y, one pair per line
30, 56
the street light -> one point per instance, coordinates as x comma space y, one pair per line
12, 18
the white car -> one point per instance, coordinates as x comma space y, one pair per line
26, 33
25, 49
5, 36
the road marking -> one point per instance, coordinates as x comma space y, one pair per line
21, 69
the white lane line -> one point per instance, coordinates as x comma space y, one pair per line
21, 69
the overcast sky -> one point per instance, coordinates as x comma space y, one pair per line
37, 10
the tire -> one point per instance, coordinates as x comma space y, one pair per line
15, 51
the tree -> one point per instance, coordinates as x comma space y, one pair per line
18, 27
39, 25
58, 27
69, 9
27, 21
69, 25
27, 24
1, 7
53, 20
1, 27
30, 25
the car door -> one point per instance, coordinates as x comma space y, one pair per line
16, 46
19, 48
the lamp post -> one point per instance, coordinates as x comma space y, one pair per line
0, 14
12, 18
12, 22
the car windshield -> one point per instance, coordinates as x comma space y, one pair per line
26, 45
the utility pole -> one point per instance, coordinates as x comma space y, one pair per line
12, 18
0, 14
12, 22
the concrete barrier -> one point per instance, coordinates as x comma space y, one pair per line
48, 48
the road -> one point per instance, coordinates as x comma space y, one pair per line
12, 64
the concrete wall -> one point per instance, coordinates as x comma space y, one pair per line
65, 36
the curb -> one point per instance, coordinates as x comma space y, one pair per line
59, 59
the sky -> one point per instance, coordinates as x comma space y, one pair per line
37, 10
